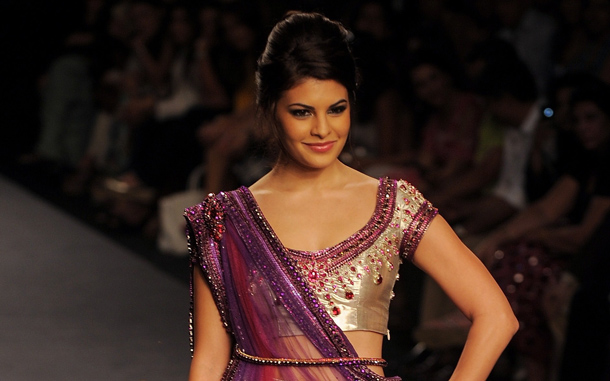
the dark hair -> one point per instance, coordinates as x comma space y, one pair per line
303, 45
442, 62
508, 77
595, 91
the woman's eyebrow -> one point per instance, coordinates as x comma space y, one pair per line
301, 105
338, 103
311, 107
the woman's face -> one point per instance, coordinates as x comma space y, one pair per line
592, 125
431, 84
314, 121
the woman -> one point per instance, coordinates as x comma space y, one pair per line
275, 297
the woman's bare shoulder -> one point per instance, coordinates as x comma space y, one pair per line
261, 186
357, 179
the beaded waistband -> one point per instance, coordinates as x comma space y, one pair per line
325, 361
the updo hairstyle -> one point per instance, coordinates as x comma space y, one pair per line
301, 46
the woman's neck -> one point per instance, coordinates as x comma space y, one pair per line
290, 176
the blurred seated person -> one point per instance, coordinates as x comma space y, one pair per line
513, 101
480, 178
163, 123
553, 147
165, 146
230, 139
477, 179
381, 126
529, 252
67, 103
585, 45
551, 152
531, 32
474, 202
148, 65
450, 128
449, 135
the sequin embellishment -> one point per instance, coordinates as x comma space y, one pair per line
213, 215
334, 273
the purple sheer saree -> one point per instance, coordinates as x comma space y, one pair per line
264, 300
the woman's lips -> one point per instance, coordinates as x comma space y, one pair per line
321, 147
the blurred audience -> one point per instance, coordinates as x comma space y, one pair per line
528, 253
513, 102
67, 105
585, 45
586, 351
381, 125
449, 134
532, 33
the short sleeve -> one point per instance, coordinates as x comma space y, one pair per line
416, 213
204, 230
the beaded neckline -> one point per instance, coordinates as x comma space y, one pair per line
369, 232
331, 271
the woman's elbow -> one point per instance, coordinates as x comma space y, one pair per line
509, 322
501, 321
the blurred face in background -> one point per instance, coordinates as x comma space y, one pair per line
431, 85
237, 33
592, 125
597, 18
208, 22
371, 20
146, 20
118, 25
510, 12
181, 27
431, 9
571, 11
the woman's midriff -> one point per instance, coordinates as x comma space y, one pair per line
367, 344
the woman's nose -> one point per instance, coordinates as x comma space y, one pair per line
321, 127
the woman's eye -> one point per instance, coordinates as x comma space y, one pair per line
337, 110
300, 113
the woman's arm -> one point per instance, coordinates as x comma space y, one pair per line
555, 204
472, 181
212, 343
467, 282
570, 238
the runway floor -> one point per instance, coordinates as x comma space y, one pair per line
77, 305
